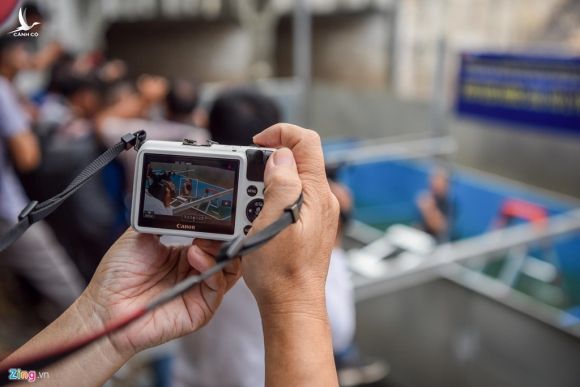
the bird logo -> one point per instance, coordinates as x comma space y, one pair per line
24, 26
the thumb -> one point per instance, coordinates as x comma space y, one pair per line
282, 186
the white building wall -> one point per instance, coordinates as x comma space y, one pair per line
465, 25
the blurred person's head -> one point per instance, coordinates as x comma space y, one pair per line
439, 182
66, 67
60, 73
181, 101
122, 100
83, 94
14, 56
152, 89
237, 115
112, 71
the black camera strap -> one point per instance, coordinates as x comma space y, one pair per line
238, 247
36, 211
230, 250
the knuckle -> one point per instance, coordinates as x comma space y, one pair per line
330, 206
281, 180
312, 136
282, 126
288, 129
334, 207
292, 135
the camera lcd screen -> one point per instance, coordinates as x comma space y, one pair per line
189, 193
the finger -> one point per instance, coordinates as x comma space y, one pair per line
233, 272
132, 240
131, 233
304, 143
202, 261
210, 247
283, 186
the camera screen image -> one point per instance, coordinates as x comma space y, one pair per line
189, 193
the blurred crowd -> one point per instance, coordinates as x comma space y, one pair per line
58, 112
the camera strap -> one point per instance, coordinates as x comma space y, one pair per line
35, 211
245, 245
230, 250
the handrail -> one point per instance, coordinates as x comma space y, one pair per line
476, 249
384, 150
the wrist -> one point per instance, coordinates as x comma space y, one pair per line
303, 330
93, 319
305, 303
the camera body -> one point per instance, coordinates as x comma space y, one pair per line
209, 191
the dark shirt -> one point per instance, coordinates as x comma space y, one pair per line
443, 204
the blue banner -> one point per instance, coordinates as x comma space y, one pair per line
525, 89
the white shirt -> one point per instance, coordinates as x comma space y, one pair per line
155, 205
229, 351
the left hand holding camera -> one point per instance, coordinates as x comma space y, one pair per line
136, 270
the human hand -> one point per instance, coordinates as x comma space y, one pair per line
135, 270
290, 271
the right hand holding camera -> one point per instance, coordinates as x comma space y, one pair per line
290, 271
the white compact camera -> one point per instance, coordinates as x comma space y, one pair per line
194, 190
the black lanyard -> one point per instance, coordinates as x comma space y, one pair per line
35, 211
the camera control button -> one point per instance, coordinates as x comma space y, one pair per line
257, 159
252, 190
247, 229
253, 209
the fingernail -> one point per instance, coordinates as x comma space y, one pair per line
283, 156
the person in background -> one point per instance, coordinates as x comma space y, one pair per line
127, 109
238, 114
234, 118
159, 195
435, 206
352, 366
88, 222
36, 256
181, 102
53, 110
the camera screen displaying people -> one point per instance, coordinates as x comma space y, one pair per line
189, 193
